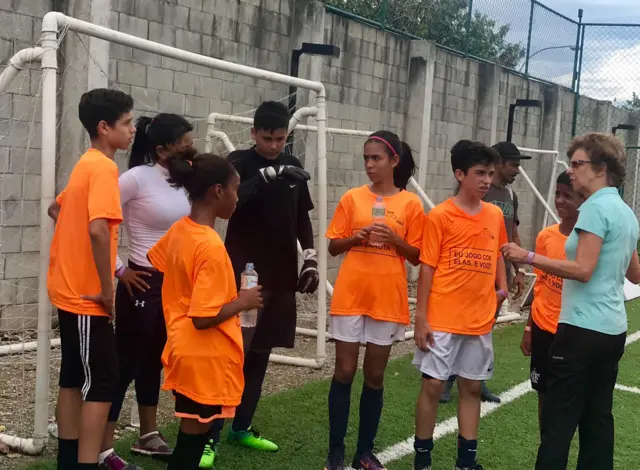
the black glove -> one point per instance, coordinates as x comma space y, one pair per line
309, 275
288, 172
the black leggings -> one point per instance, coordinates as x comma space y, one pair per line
140, 336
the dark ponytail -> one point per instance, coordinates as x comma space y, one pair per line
197, 174
406, 167
163, 130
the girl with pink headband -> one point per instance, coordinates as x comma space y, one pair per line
370, 300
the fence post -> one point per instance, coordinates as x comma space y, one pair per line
468, 32
384, 8
577, 70
526, 63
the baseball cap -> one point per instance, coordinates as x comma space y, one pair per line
509, 151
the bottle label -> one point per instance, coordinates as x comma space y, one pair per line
378, 212
248, 282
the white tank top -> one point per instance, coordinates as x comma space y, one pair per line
149, 207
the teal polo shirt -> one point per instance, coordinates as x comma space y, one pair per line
599, 304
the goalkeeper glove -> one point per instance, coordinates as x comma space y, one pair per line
288, 172
309, 275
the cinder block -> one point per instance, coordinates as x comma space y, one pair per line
19, 265
152, 10
249, 14
10, 239
17, 27
162, 33
185, 83
27, 290
160, 79
212, 88
172, 102
176, 15
131, 73
7, 292
145, 97
30, 239
193, 4
132, 25
196, 107
189, 41
124, 6
31, 190
201, 22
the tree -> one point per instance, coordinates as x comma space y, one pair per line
445, 23
632, 105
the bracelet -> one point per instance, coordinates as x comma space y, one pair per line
527, 328
503, 293
120, 271
530, 258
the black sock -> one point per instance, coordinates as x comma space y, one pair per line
339, 404
216, 429
188, 451
87, 466
370, 411
67, 454
466, 452
423, 448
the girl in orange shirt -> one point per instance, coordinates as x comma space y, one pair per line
203, 357
370, 301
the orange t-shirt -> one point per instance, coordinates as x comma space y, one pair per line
203, 365
92, 193
373, 280
547, 291
464, 250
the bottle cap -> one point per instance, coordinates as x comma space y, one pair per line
249, 267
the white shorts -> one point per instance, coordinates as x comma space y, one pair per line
470, 357
364, 329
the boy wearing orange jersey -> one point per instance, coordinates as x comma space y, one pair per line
201, 305
80, 279
457, 301
545, 310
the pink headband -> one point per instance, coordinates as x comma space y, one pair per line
393, 151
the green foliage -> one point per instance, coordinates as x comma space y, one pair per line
444, 22
632, 105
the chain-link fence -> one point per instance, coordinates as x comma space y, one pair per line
526, 36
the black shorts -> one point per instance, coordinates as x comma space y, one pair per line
188, 409
276, 327
89, 358
540, 344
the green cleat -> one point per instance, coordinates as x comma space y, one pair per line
209, 455
251, 439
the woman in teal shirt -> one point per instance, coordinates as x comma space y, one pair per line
584, 356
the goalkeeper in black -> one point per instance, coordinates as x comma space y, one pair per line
272, 214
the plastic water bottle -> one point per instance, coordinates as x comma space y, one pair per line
135, 415
378, 216
248, 280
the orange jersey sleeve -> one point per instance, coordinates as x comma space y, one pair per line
213, 282
372, 280
104, 194
157, 255
547, 291
340, 226
60, 197
464, 250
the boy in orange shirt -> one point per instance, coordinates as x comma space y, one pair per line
457, 301
203, 356
80, 278
545, 310
370, 301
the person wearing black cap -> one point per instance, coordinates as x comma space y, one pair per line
502, 196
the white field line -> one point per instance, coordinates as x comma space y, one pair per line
449, 426
624, 388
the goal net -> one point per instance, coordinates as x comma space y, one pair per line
40, 141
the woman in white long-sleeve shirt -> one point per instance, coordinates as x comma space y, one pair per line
149, 207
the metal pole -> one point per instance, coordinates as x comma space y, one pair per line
578, 72
468, 32
577, 52
526, 64
512, 111
384, 8
293, 95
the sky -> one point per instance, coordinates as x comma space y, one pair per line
611, 57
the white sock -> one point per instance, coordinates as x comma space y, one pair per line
104, 455
149, 434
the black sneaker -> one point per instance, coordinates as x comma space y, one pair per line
488, 396
475, 466
335, 460
367, 461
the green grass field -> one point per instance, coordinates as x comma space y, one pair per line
297, 420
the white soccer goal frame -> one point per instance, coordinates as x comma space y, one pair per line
294, 124
47, 53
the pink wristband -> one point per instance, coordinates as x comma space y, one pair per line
530, 258
503, 293
120, 271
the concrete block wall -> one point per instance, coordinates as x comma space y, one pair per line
20, 143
